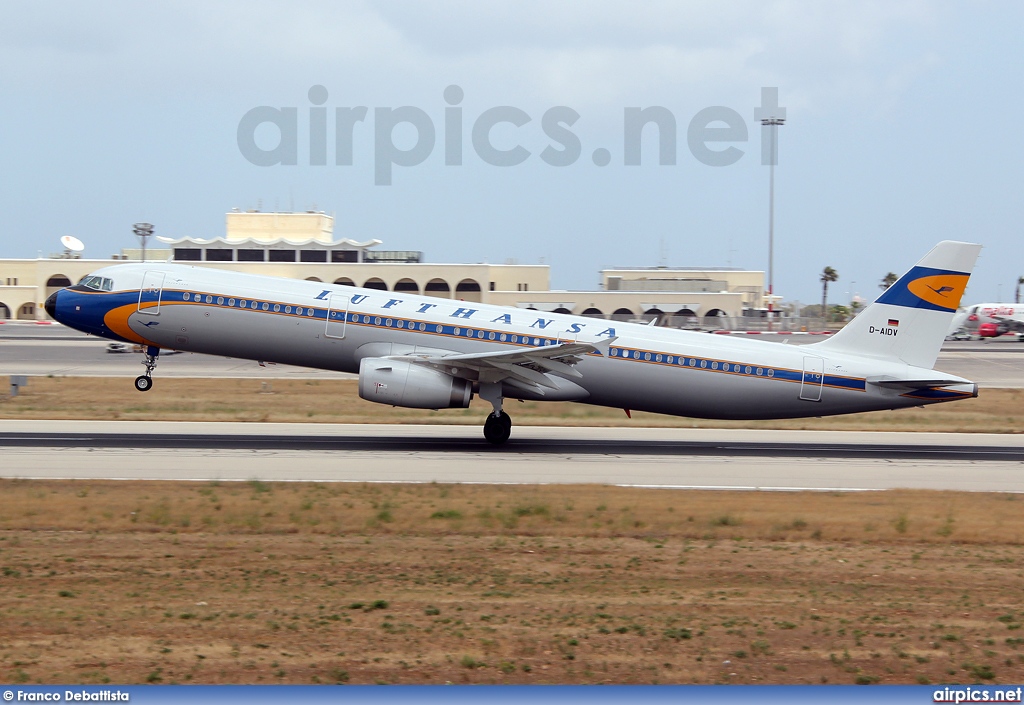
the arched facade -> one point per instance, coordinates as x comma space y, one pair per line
561, 309
313, 279
468, 290
56, 282
438, 288
593, 313
344, 281
5, 312
715, 318
407, 285
27, 312
654, 314
375, 283
685, 318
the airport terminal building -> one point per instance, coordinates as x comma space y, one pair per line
302, 246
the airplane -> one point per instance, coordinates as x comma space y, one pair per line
424, 352
990, 320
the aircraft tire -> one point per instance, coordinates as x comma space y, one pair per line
497, 429
143, 383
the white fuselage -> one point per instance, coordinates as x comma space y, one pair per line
334, 327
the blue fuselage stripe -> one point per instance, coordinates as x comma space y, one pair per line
96, 304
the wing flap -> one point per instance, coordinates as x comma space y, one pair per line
527, 368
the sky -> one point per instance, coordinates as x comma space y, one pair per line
902, 129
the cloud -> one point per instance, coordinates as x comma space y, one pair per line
603, 53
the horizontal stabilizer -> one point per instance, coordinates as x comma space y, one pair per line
915, 383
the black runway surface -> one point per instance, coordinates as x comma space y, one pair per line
527, 446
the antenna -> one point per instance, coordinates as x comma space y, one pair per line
143, 231
72, 246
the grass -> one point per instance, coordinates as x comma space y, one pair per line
337, 401
325, 594
260, 582
267, 508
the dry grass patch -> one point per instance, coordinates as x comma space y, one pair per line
917, 516
337, 401
326, 583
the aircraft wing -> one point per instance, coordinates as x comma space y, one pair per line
1014, 322
525, 368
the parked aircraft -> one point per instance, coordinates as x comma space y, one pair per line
990, 320
424, 352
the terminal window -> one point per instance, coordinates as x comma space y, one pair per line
219, 255
187, 254
251, 256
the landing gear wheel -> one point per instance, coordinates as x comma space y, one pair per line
497, 429
143, 383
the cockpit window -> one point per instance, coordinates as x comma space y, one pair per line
98, 283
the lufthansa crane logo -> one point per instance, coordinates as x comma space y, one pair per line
941, 290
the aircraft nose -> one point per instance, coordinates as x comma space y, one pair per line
51, 305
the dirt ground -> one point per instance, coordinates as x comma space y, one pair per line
350, 583
337, 401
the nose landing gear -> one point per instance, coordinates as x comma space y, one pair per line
498, 425
144, 382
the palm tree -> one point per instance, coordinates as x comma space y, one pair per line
1016, 294
827, 275
887, 281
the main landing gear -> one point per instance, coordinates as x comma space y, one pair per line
498, 426
144, 383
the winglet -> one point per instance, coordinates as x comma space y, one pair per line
602, 347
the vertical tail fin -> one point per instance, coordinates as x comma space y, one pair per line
909, 320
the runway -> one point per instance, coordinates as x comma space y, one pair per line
674, 458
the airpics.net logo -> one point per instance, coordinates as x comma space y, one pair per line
711, 134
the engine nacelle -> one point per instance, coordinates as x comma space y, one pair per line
414, 386
990, 330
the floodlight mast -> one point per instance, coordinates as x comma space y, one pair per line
772, 123
143, 231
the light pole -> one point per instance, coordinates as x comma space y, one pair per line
772, 123
143, 231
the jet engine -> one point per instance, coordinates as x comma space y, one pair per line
411, 385
990, 330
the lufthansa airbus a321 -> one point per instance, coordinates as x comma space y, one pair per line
430, 353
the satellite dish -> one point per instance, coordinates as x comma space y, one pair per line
72, 243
